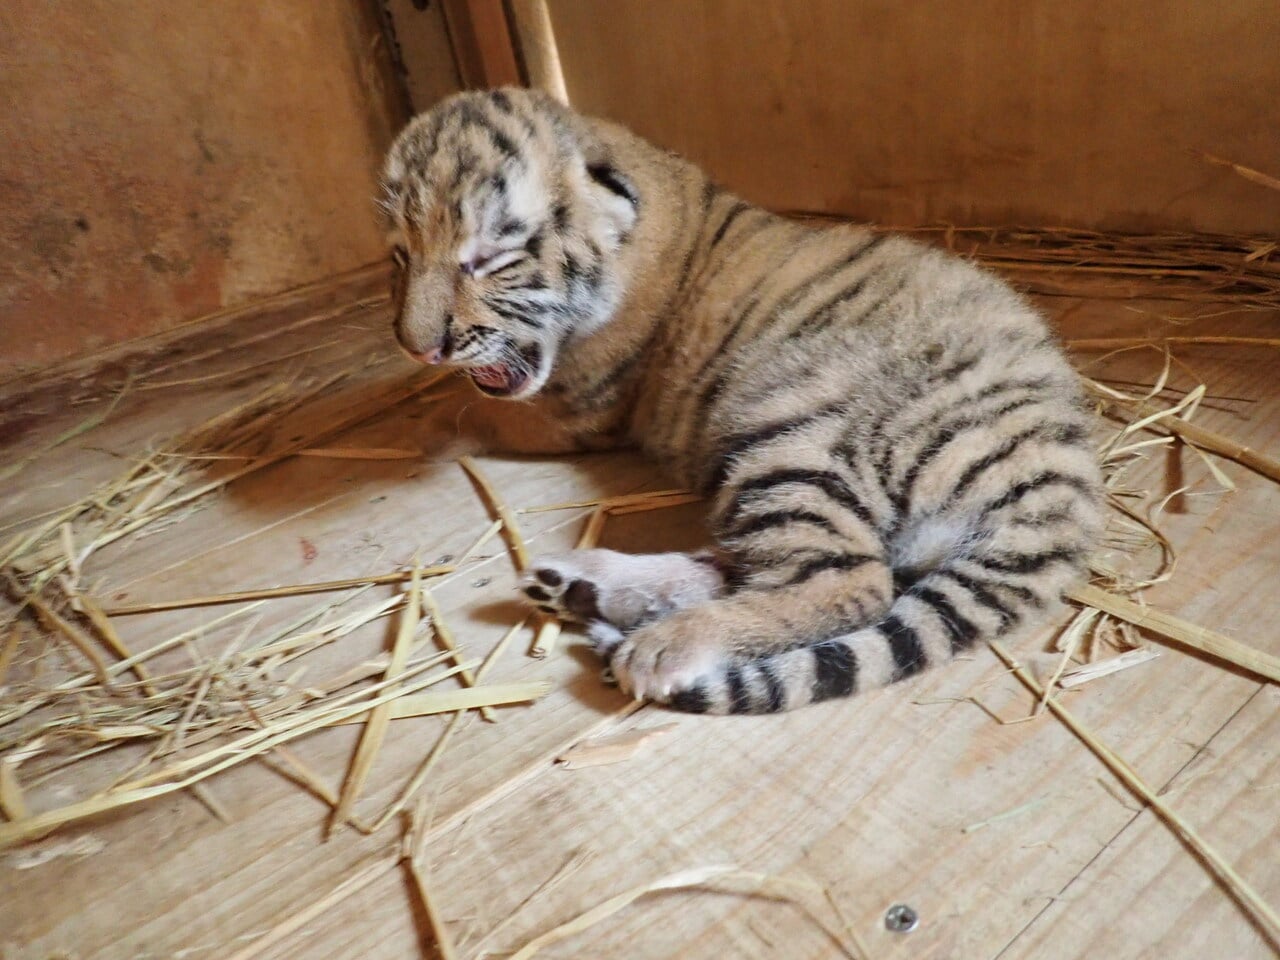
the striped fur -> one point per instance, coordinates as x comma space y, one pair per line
895, 444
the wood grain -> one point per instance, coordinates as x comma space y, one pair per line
990, 113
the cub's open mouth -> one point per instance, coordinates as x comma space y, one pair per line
510, 376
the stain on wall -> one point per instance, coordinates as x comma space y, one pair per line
163, 159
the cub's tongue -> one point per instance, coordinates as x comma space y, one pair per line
496, 376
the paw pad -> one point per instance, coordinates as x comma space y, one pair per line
561, 594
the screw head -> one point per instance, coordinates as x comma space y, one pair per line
901, 918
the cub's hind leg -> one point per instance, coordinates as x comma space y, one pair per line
809, 564
613, 593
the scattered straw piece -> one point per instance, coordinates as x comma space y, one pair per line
445, 636
1181, 631
111, 638
361, 453
655, 503
590, 536
317, 908
1104, 668
412, 850
757, 884
1114, 343
1250, 174
420, 775
449, 701
12, 801
545, 637
198, 767
272, 593
1236, 885
615, 749
10, 649
52, 620
376, 725
1153, 415
519, 552
607, 503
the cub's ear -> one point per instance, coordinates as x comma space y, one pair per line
618, 196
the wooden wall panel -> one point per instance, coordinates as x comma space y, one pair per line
162, 159
989, 112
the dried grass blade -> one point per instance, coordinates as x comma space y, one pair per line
1250, 174
658, 503
354, 883
519, 552
445, 636
376, 725
1113, 343
108, 635
90, 423
608, 503
1104, 668
614, 749
361, 453
415, 782
449, 701
53, 621
444, 942
1236, 885
202, 766
545, 637
1190, 432
1181, 631
776, 888
10, 650
273, 593
12, 802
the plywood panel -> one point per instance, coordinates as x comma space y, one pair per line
164, 160
996, 112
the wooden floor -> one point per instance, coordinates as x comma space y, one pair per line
896, 798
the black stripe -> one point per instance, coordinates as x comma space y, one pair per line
829, 483
773, 686
829, 561
948, 432
1029, 562
820, 319
693, 700
835, 670
1011, 446
1040, 481
590, 396
905, 645
884, 462
751, 525
500, 100
963, 631
511, 311
734, 212
739, 698
615, 182
739, 443
826, 273
1008, 616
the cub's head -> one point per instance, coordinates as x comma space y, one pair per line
506, 217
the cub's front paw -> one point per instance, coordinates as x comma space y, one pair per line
661, 661
559, 587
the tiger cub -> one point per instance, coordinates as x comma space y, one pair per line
897, 450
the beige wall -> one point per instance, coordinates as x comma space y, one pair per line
162, 159
982, 112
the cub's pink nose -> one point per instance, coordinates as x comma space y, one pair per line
433, 356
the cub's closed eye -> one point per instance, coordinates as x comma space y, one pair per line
483, 265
